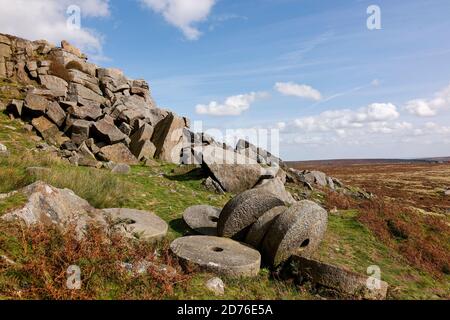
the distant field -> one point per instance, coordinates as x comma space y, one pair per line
417, 183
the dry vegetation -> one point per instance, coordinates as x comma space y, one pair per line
408, 213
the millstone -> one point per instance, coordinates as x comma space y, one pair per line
222, 256
202, 219
259, 229
299, 230
138, 224
244, 210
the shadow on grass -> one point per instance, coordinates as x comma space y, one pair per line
196, 174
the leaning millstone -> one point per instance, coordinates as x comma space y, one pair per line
299, 230
259, 229
244, 210
343, 281
202, 219
218, 255
136, 224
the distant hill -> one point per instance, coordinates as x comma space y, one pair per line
346, 162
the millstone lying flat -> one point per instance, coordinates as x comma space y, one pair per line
244, 210
136, 224
259, 229
299, 230
218, 255
202, 219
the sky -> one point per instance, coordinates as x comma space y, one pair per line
312, 73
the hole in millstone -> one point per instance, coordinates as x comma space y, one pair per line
217, 249
214, 219
304, 243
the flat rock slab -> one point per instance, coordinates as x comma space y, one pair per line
345, 282
218, 255
259, 229
202, 219
136, 224
298, 230
244, 210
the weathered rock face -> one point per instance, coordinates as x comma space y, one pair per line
168, 138
343, 281
218, 255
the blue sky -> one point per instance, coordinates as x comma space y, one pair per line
310, 68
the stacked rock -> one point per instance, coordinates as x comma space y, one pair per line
252, 223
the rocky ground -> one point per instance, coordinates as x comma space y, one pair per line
94, 174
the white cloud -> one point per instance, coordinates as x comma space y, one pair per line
232, 106
430, 108
183, 14
346, 119
298, 90
46, 19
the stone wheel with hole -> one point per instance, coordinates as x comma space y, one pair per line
222, 256
136, 224
244, 210
298, 230
202, 219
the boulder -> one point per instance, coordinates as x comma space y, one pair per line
106, 131
46, 129
202, 219
80, 130
83, 95
56, 113
55, 84
213, 186
297, 231
86, 157
345, 282
234, 172
140, 145
91, 111
118, 153
244, 210
71, 49
136, 224
15, 107
259, 229
168, 139
262, 156
35, 105
50, 206
217, 255
276, 187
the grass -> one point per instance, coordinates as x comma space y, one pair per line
43, 256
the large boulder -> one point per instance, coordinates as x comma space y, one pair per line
91, 111
234, 172
118, 153
299, 230
140, 145
56, 113
46, 129
106, 131
50, 206
55, 84
218, 255
80, 130
35, 105
276, 187
168, 138
83, 95
242, 211
262, 156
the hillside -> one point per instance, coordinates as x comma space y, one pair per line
155, 183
